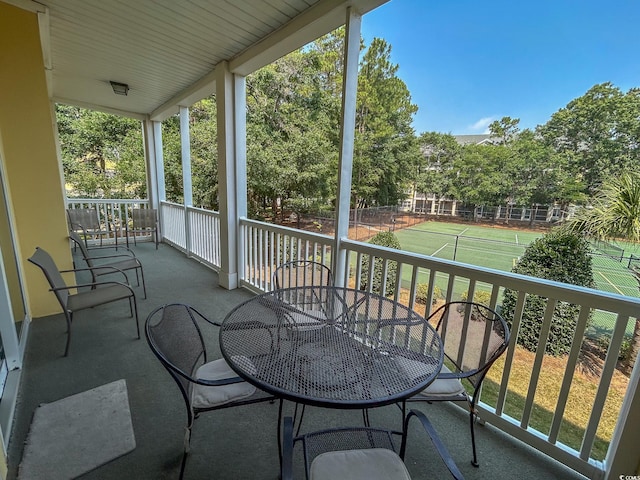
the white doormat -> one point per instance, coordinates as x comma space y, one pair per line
77, 434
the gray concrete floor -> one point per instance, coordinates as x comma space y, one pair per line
237, 443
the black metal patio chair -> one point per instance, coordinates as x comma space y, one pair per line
473, 336
176, 339
107, 264
98, 293
318, 304
302, 273
357, 453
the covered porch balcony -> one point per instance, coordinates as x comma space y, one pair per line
227, 444
548, 409
173, 54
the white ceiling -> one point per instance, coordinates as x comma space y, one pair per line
166, 50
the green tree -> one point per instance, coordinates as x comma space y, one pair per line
506, 129
598, 133
288, 152
435, 166
204, 153
385, 144
172, 152
482, 176
562, 256
614, 215
102, 154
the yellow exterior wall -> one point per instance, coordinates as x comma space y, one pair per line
28, 150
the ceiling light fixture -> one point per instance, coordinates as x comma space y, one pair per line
119, 88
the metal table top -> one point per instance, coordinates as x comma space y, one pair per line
332, 347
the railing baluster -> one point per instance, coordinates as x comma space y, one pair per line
603, 387
537, 363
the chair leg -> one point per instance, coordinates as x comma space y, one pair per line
144, 286
183, 464
279, 431
67, 316
435, 441
186, 448
472, 422
132, 299
295, 414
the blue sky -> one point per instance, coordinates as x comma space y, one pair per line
469, 62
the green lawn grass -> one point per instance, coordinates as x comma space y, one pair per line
541, 418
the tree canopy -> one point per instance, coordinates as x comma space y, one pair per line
293, 130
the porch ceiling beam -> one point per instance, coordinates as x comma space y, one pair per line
324, 17
101, 108
201, 89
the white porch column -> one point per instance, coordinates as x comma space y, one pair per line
347, 137
185, 144
240, 135
159, 164
148, 138
227, 174
152, 136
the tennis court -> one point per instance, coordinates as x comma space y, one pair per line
500, 248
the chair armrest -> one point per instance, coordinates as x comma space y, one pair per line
90, 269
218, 383
211, 322
76, 226
435, 439
287, 449
126, 251
91, 284
105, 257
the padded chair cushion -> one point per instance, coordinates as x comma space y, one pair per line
368, 464
443, 387
204, 396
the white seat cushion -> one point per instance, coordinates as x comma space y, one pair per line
368, 464
204, 396
442, 387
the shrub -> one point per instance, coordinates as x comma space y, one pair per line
561, 256
481, 296
421, 293
384, 239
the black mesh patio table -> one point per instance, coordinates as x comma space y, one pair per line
332, 347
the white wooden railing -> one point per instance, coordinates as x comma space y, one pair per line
264, 246
195, 231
